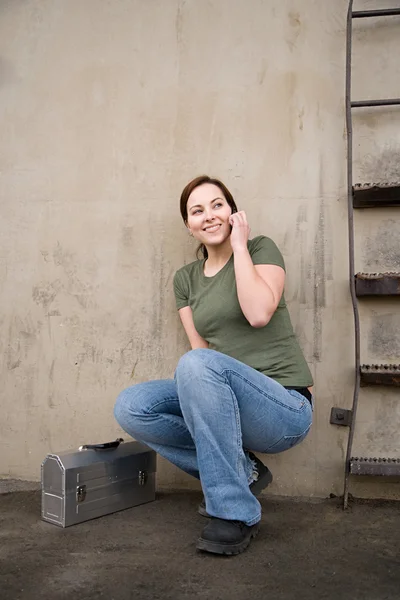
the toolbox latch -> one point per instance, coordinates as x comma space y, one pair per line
80, 493
142, 477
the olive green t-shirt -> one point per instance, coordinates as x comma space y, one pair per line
218, 318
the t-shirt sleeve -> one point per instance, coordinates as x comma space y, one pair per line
264, 251
181, 290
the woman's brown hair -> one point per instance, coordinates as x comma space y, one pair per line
192, 185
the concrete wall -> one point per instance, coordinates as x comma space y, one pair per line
107, 109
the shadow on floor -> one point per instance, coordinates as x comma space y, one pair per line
304, 551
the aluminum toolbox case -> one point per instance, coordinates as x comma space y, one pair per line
96, 480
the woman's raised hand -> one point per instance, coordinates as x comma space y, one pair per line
240, 231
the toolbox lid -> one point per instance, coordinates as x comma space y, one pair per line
89, 456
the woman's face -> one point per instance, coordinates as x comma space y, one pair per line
208, 215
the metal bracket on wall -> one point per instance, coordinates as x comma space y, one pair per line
341, 416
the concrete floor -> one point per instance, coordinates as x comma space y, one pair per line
304, 551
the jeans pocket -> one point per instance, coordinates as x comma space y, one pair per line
286, 442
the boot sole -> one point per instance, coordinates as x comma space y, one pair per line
227, 549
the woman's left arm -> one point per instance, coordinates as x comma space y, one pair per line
259, 287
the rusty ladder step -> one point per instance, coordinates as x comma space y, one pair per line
372, 195
386, 467
380, 375
377, 284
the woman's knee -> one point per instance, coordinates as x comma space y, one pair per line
129, 405
194, 362
121, 407
136, 405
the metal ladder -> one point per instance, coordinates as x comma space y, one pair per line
366, 284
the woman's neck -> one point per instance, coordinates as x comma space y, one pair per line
218, 256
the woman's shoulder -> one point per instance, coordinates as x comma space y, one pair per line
188, 269
261, 241
263, 250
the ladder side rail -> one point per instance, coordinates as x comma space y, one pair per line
349, 127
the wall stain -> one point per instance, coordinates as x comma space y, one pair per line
51, 373
126, 247
319, 249
50, 401
319, 296
384, 337
301, 239
289, 92
13, 351
301, 116
125, 358
45, 255
294, 19
262, 73
134, 369
295, 30
81, 291
20, 343
28, 335
45, 293
127, 236
384, 168
383, 431
158, 299
382, 251
179, 22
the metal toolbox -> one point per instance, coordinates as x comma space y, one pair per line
96, 480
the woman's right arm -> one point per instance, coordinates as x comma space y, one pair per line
195, 339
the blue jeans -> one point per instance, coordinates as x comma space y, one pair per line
205, 420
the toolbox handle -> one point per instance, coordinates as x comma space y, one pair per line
105, 446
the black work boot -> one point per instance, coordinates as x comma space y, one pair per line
264, 478
226, 537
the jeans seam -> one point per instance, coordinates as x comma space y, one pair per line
239, 446
141, 417
289, 437
263, 393
152, 412
266, 395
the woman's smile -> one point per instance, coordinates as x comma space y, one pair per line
212, 228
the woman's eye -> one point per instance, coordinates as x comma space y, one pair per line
196, 212
217, 204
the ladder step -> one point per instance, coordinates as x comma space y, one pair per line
380, 375
370, 195
385, 12
389, 467
377, 284
382, 102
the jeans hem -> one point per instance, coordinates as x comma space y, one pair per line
253, 521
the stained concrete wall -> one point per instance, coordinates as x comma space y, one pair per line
107, 109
